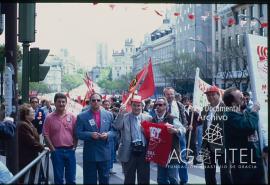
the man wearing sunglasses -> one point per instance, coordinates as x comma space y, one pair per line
39, 116
169, 174
94, 128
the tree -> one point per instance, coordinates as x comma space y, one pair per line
113, 86
180, 72
18, 52
70, 82
230, 56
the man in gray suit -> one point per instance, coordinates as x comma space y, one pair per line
94, 127
132, 148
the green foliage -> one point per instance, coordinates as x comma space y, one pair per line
40, 87
18, 52
70, 82
117, 86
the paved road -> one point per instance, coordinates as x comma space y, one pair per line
195, 173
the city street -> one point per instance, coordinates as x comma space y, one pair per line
195, 173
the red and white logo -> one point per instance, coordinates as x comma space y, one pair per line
262, 63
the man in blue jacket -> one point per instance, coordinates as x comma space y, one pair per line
94, 127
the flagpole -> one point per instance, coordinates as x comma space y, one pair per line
189, 134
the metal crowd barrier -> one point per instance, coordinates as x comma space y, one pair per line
41, 172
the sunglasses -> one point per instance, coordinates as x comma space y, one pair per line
95, 100
159, 105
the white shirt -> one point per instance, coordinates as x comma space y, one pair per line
174, 109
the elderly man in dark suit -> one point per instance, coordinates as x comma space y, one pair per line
94, 127
132, 136
213, 142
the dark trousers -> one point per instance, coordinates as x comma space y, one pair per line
248, 173
210, 169
137, 164
90, 170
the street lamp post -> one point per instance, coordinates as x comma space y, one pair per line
205, 47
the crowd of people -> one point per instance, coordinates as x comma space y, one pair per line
224, 133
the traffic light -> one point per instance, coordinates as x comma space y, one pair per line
37, 57
27, 16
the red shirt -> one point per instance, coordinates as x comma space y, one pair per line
96, 116
160, 142
60, 129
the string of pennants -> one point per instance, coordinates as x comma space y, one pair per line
191, 16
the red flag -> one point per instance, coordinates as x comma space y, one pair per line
264, 24
191, 16
124, 98
147, 88
231, 21
104, 97
135, 82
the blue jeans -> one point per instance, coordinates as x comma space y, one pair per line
183, 173
167, 175
90, 170
64, 159
199, 137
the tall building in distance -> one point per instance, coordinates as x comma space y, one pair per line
122, 61
101, 54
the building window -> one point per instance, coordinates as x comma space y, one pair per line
236, 18
216, 25
244, 41
130, 49
223, 86
260, 10
237, 64
244, 12
229, 41
223, 43
262, 32
216, 45
244, 86
229, 85
252, 11
237, 39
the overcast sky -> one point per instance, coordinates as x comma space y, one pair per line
79, 26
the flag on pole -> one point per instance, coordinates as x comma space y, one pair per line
199, 97
147, 89
136, 81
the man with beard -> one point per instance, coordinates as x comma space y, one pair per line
241, 138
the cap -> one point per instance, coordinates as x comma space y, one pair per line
212, 89
136, 98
